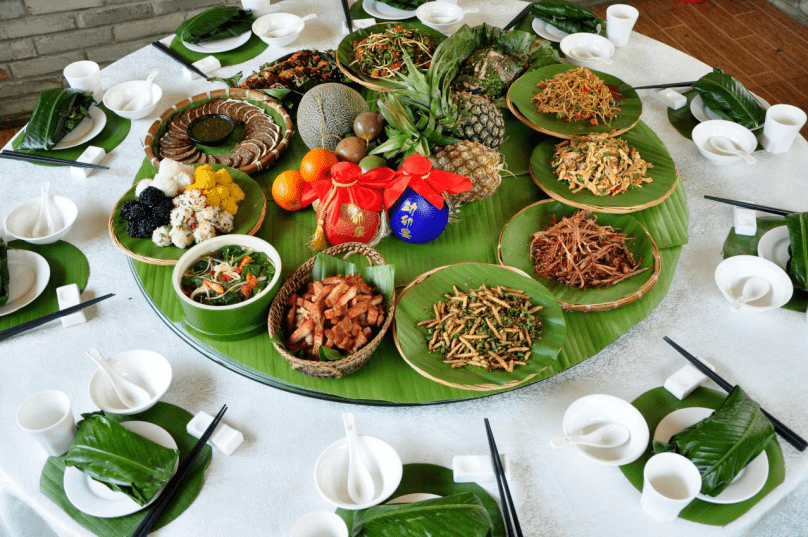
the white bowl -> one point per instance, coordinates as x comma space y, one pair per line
774, 245
22, 219
732, 272
320, 524
597, 49
147, 369
117, 97
265, 27
593, 411
743, 138
331, 472
441, 16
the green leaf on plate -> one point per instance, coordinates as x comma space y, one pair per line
566, 16
727, 97
215, 24
58, 111
406, 5
798, 234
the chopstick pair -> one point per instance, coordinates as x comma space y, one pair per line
790, 436
745, 205
522, 14
668, 85
347, 12
174, 484
167, 51
508, 509
11, 332
40, 159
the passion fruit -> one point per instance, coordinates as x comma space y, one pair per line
368, 125
370, 162
353, 149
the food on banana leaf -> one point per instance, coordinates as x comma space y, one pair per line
406, 5
215, 24
491, 71
381, 55
577, 95
728, 98
58, 111
5, 278
299, 72
566, 16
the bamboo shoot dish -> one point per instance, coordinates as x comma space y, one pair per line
575, 95
381, 55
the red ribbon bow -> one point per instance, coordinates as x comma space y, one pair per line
417, 173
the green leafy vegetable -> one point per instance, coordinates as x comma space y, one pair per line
723, 444
215, 24
4, 276
124, 461
58, 111
566, 16
798, 264
728, 98
458, 514
407, 5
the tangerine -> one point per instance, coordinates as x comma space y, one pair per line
287, 190
316, 164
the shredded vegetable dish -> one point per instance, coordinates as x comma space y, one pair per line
577, 95
381, 55
230, 275
602, 165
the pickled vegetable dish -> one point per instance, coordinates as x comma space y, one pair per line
230, 275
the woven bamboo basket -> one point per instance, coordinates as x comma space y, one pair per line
300, 278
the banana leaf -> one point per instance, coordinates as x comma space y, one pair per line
407, 5
215, 24
58, 111
122, 460
797, 224
566, 16
723, 444
727, 97
4, 276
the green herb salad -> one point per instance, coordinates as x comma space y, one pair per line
230, 275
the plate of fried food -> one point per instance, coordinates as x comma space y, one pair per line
588, 261
622, 174
479, 327
566, 101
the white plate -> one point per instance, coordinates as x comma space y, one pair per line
94, 498
745, 485
380, 10
548, 31
412, 498
98, 118
732, 273
703, 113
773, 245
221, 45
29, 275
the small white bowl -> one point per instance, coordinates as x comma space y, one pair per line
441, 16
331, 472
732, 272
264, 27
22, 219
740, 135
774, 244
597, 49
320, 524
593, 411
147, 369
117, 97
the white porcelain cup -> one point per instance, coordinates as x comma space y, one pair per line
48, 417
320, 524
620, 19
259, 8
84, 76
670, 483
783, 123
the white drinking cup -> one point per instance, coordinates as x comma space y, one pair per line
259, 8
84, 76
48, 418
783, 123
620, 19
670, 483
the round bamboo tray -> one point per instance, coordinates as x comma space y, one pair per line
301, 277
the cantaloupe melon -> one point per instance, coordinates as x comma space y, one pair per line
326, 114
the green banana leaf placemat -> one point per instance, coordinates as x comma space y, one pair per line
437, 480
113, 133
684, 121
746, 245
67, 265
249, 50
171, 418
658, 403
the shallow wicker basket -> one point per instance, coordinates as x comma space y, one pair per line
300, 278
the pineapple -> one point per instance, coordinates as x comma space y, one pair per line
474, 160
480, 119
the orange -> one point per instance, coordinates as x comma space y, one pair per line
287, 190
316, 163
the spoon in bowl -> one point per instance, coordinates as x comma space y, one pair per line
361, 487
129, 393
145, 98
585, 55
440, 18
275, 34
724, 145
608, 436
753, 288
49, 220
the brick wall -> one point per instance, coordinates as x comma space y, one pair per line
38, 38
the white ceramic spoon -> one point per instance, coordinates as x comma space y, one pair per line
361, 487
726, 146
144, 99
753, 288
49, 220
608, 436
129, 393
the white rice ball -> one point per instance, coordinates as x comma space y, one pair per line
204, 231
182, 217
180, 237
184, 179
172, 168
142, 185
167, 184
207, 215
160, 236
224, 222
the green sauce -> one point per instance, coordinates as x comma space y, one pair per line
211, 129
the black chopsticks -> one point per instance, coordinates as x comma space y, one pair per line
40, 159
508, 508
522, 14
668, 85
745, 205
347, 12
790, 436
174, 484
11, 332
165, 50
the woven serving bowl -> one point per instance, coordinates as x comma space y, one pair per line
300, 278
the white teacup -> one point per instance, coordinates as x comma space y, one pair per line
48, 418
84, 76
670, 483
620, 19
783, 123
259, 8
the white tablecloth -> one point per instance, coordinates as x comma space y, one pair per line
267, 483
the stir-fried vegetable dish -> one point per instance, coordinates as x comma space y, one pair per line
381, 55
294, 72
230, 275
576, 95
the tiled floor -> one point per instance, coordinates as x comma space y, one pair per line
749, 39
